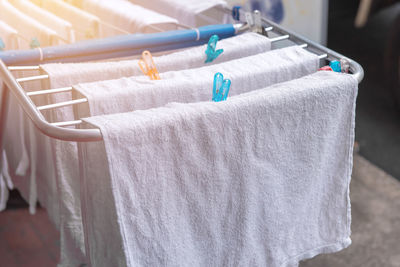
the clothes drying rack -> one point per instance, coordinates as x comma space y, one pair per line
124, 46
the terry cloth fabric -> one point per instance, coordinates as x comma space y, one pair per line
5, 181
191, 86
9, 36
27, 26
126, 17
86, 25
261, 179
65, 153
192, 13
62, 27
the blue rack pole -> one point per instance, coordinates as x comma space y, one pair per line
119, 46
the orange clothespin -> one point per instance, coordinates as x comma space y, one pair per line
148, 67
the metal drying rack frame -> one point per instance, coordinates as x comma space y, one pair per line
118, 47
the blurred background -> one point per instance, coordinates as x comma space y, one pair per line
367, 31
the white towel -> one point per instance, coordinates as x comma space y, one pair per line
62, 27
9, 35
261, 179
193, 85
128, 17
193, 13
5, 181
190, 86
86, 25
28, 28
65, 153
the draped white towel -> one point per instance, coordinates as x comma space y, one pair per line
193, 85
65, 153
129, 17
27, 28
261, 179
193, 13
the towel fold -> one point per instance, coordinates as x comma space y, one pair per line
27, 27
9, 36
192, 13
86, 25
261, 179
129, 18
62, 27
65, 153
193, 85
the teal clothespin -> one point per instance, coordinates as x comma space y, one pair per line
335, 65
2, 45
34, 43
220, 88
210, 51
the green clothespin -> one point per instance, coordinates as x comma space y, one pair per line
2, 45
34, 43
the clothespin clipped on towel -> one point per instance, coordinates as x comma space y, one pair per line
338, 66
148, 67
210, 51
2, 45
34, 43
220, 87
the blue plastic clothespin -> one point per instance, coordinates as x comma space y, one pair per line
335, 65
236, 13
2, 45
220, 87
210, 51
34, 43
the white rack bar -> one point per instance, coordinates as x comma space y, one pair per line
13, 68
49, 91
280, 38
67, 123
32, 78
63, 104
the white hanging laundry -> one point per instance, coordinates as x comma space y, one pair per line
126, 17
192, 85
32, 34
193, 13
65, 153
62, 27
5, 181
261, 179
86, 25
189, 85
9, 36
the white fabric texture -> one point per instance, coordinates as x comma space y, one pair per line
192, 13
10, 40
5, 181
28, 28
9, 36
65, 153
62, 27
193, 85
261, 179
128, 17
86, 25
